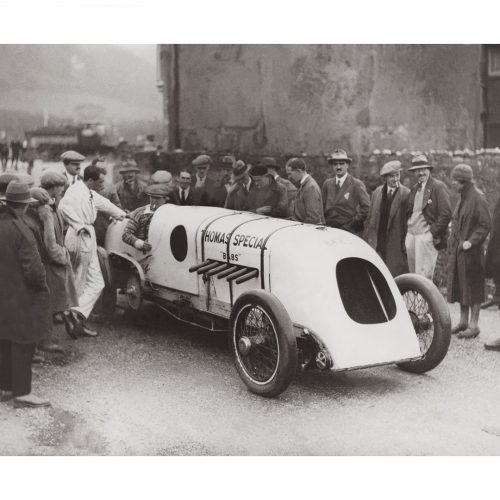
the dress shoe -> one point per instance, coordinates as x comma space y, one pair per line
58, 318
38, 358
5, 395
489, 303
85, 331
470, 333
51, 347
71, 322
458, 328
493, 345
30, 401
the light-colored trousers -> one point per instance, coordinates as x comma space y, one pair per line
422, 255
88, 276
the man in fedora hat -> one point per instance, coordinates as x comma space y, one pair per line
203, 186
237, 198
79, 207
225, 183
269, 197
346, 201
308, 204
470, 225
23, 294
274, 171
385, 227
428, 215
131, 189
72, 162
137, 228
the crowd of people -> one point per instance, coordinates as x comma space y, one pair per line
50, 235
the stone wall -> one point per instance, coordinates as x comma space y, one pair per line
272, 99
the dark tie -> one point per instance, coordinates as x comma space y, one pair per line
74, 179
338, 185
419, 186
183, 195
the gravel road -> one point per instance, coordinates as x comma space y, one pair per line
152, 386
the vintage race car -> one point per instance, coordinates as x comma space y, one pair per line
290, 294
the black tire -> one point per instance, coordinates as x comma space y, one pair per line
263, 343
107, 301
430, 316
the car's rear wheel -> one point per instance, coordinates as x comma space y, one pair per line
263, 343
430, 316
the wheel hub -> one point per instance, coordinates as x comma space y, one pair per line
244, 345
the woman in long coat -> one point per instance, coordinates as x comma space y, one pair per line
470, 225
23, 288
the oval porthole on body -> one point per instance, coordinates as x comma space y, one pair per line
178, 243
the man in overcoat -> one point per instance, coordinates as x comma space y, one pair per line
237, 198
345, 199
470, 226
385, 227
492, 266
269, 197
428, 215
23, 291
60, 276
202, 185
308, 203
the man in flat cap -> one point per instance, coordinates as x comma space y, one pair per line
346, 201
137, 229
203, 186
308, 203
72, 164
131, 189
470, 225
269, 197
79, 207
237, 198
274, 171
385, 228
428, 214
225, 183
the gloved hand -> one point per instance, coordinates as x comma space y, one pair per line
142, 245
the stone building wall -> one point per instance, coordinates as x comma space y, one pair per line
276, 99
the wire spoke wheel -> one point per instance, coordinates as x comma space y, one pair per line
430, 318
421, 317
263, 343
257, 343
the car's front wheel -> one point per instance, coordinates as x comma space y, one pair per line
263, 343
430, 316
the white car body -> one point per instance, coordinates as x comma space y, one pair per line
298, 263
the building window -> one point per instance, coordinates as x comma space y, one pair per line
494, 61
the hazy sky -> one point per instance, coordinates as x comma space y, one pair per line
144, 51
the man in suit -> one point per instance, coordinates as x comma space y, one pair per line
225, 183
237, 198
308, 203
346, 201
386, 223
72, 162
202, 185
428, 214
269, 197
183, 194
274, 171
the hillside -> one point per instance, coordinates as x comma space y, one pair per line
77, 81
